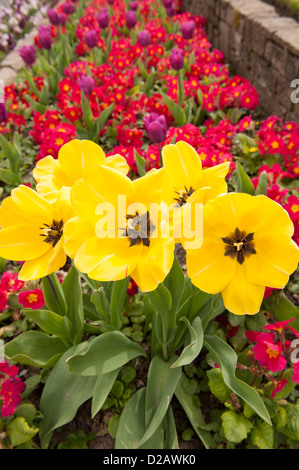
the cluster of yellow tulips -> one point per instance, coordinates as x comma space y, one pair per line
85, 206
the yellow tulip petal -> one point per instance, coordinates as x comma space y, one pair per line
107, 184
58, 259
51, 261
183, 165
242, 297
61, 206
47, 188
111, 259
84, 201
269, 210
50, 177
11, 213
31, 203
227, 212
118, 162
78, 155
214, 179
44, 167
22, 242
208, 268
154, 264
154, 187
76, 232
274, 261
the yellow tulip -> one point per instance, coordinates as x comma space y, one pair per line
191, 187
191, 183
247, 245
113, 235
32, 231
74, 158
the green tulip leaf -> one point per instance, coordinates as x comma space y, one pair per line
226, 358
35, 348
105, 353
62, 395
194, 345
161, 384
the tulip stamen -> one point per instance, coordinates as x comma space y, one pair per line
239, 245
53, 232
183, 195
138, 228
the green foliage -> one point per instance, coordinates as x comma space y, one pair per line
290, 425
262, 435
225, 356
56, 406
218, 386
105, 353
113, 425
235, 426
76, 440
280, 306
19, 431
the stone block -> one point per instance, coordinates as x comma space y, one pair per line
7, 74
13, 60
288, 36
276, 55
284, 91
224, 32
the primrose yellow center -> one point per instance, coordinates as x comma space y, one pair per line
272, 353
32, 298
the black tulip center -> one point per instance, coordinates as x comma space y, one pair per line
138, 228
53, 232
239, 245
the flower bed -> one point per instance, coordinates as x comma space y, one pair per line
17, 19
131, 99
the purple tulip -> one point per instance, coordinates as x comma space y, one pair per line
177, 59
167, 3
103, 18
133, 6
91, 38
3, 113
131, 18
28, 54
62, 19
171, 11
144, 38
68, 8
45, 37
156, 127
110, 2
86, 83
45, 28
187, 29
53, 16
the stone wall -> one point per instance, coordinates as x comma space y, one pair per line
258, 44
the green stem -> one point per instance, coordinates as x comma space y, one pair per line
165, 334
181, 93
93, 57
53, 289
160, 155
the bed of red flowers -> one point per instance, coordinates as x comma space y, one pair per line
133, 77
